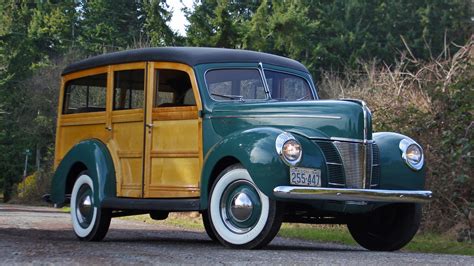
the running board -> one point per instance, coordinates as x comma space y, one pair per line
151, 204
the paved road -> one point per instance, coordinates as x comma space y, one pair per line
40, 235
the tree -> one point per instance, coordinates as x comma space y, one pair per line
219, 23
106, 25
155, 26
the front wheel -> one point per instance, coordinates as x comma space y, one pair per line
240, 215
90, 223
387, 228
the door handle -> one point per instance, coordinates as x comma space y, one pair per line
109, 128
149, 126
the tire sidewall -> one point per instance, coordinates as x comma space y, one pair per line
392, 234
81, 232
221, 231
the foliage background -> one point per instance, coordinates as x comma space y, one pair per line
410, 60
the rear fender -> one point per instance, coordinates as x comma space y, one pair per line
95, 157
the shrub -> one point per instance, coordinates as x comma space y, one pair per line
431, 102
33, 187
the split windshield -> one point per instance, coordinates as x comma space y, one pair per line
247, 84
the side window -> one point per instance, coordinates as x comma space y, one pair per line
129, 88
84, 95
173, 88
234, 84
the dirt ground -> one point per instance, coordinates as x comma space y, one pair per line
40, 235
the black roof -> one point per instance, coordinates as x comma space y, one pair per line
188, 55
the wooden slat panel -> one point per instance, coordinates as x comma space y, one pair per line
174, 154
175, 113
130, 154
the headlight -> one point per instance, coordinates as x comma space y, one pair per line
288, 148
412, 153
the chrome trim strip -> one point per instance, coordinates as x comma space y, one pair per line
274, 116
336, 184
365, 111
342, 194
264, 79
348, 140
333, 163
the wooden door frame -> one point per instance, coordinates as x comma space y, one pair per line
171, 113
114, 116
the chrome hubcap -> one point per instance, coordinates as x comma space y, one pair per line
241, 207
84, 207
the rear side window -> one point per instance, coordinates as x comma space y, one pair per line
235, 84
129, 86
85, 95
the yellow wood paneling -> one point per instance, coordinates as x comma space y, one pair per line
166, 155
175, 135
71, 135
174, 143
73, 128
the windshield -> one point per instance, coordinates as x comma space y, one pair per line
247, 84
287, 87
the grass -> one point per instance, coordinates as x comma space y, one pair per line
422, 242
425, 242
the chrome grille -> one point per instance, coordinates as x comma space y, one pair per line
351, 164
354, 159
376, 172
333, 163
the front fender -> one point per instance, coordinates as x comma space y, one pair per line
395, 174
255, 150
94, 155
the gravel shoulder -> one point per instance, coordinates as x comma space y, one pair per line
41, 235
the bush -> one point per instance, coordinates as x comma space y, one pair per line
432, 102
33, 187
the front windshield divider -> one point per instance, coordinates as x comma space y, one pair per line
265, 84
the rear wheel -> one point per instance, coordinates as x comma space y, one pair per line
387, 228
240, 215
90, 223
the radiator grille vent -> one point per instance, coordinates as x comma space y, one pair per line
333, 163
376, 173
351, 164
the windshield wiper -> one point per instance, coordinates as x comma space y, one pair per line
228, 96
304, 97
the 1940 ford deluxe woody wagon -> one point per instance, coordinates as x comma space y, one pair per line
239, 136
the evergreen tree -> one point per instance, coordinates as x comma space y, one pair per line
219, 23
107, 25
156, 28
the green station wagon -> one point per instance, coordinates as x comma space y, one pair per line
240, 137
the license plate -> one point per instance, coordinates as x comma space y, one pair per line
305, 176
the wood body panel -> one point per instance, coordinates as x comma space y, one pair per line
161, 160
174, 153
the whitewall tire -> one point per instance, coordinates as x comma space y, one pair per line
89, 222
240, 214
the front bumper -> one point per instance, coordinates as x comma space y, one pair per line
347, 194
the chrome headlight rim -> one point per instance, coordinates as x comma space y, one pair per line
404, 145
280, 142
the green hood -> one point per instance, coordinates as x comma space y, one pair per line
313, 119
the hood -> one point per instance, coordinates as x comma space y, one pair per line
313, 119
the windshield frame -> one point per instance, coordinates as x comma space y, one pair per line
261, 70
